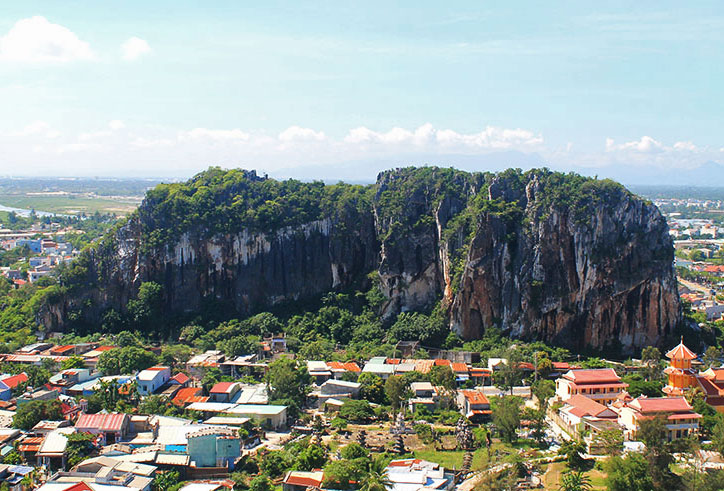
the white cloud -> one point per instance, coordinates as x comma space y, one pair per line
36, 40
297, 133
685, 146
645, 145
36, 128
116, 124
491, 138
133, 48
214, 135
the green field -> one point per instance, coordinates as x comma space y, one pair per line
70, 204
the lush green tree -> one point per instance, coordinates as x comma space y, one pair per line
287, 382
538, 425
509, 374
357, 411
342, 474
79, 447
175, 354
354, 451
126, 338
74, 361
712, 357
575, 481
543, 390
397, 391
574, 450
630, 473
443, 376
145, 310
376, 478
125, 360
312, 457
611, 441
31, 413
506, 416
260, 483
165, 480
239, 345
191, 333
276, 463
695, 480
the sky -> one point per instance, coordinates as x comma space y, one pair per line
344, 89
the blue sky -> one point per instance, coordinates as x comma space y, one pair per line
282, 86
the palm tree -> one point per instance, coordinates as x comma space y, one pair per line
376, 478
575, 481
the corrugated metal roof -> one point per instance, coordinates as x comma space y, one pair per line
101, 422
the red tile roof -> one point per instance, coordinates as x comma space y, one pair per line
681, 352
647, 405
221, 388
459, 367
442, 363
14, 380
101, 422
561, 365
105, 348
593, 376
475, 397
338, 365
583, 406
181, 378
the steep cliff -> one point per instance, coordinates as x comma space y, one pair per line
572, 261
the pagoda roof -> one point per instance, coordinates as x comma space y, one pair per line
681, 352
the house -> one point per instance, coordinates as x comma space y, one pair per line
424, 395
187, 395
37, 395
578, 409
112, 427
681, 420
600, 384
180, 379
301, 481
214, 447
377, 366
474, 405
269, 415
495, 364
65, 379
340, 388
152, 379
52, 453
224, 392
418, 475
319, 371
481, 376
461, 372
339, 368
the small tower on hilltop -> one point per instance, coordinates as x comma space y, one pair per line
681, 375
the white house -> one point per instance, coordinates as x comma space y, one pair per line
152, 379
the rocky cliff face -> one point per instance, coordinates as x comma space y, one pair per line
563, 259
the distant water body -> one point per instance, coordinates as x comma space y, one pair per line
26, 213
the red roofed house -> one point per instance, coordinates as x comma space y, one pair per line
680, 416
301, 481
184, 395
600, 384
180, 379
580, 409
712, 383
224, 392
111, 427
473, 405
12, 381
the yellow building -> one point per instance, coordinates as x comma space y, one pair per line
681, 375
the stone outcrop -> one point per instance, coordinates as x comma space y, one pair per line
512, 250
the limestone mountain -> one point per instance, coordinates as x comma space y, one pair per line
569, 260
